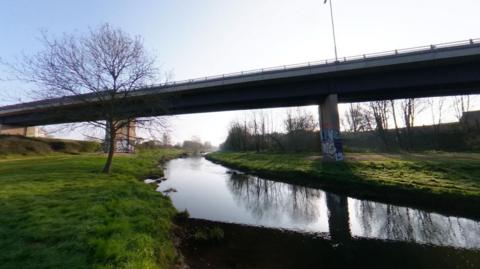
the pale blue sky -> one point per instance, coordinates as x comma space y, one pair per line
209, 37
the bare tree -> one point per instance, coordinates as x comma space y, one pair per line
461, 104
395, 122
410, 108
436, 109
380, 111
100, 69
194, 145
166, 139
300, 126
255, 127
258, 129
237, 137
358, 119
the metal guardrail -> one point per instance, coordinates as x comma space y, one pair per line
376, 55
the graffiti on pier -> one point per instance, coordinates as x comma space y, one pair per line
331, 144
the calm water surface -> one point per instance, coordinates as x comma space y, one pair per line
210, 191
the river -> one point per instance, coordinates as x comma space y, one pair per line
213, 192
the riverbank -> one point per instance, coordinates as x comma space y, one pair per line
444, 182
12, 146
60, 212
208, 244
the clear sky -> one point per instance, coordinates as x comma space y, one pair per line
209, 37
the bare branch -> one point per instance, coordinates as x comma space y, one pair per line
99, 69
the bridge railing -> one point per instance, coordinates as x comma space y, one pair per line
369, 56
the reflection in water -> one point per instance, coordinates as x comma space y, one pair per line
400, 223
338, 220
209, 192
269, 199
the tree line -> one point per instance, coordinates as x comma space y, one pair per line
391, 123
395, 121
258, 132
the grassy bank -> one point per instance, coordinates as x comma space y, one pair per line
11, 145
440, 181
59, 212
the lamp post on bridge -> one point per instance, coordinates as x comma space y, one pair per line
333, 29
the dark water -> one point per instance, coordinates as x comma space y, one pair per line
208, 191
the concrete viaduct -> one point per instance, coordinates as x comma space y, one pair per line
435, 70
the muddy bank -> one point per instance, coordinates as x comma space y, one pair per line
207, 244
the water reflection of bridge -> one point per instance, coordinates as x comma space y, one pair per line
347, 217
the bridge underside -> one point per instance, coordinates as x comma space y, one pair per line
442, 72
420, 80
436, 72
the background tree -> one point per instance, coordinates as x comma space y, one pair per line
436, 109
255, 127
461, 104
166, 140
195, 146
398, 136
357, 118
236, 138
410, 108
380, 111
101, 68
257, 132
300, 126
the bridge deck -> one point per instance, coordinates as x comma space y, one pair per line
436, 70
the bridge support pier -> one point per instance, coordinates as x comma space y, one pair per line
332, 148
125, 139
18, 130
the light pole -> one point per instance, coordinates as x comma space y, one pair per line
333, 30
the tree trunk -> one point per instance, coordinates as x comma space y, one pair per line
397, 132
282, 148
111, 151
382, 134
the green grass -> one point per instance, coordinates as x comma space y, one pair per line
60, 212
454, 175
28, 146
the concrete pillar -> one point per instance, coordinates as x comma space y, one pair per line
18, 130
125, 139
330, 129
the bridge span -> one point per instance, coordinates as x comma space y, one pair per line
434, 70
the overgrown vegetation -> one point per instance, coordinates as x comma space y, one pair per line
451, 137
60, 212
300, 133
434, 177
20, 145
258, 134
